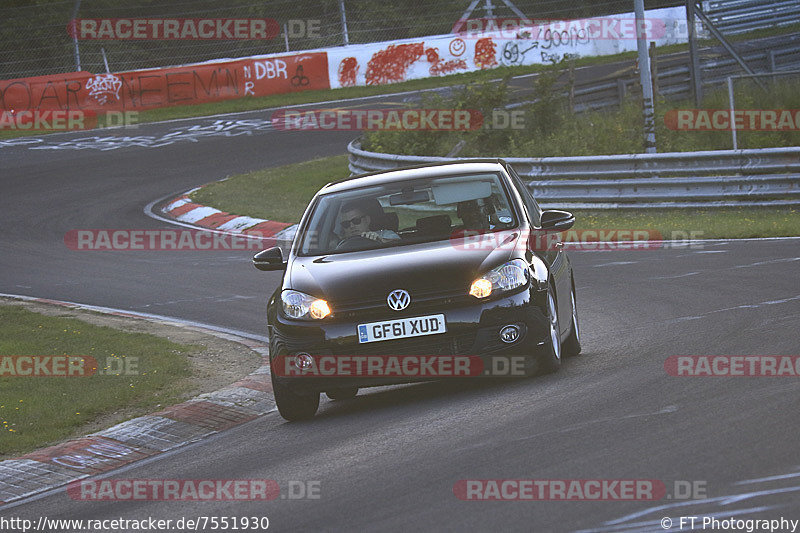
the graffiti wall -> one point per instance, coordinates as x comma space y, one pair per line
147, 89
482, 46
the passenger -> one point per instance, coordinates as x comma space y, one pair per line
472, 216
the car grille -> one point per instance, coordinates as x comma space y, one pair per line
420, 302
379, 300
447, 344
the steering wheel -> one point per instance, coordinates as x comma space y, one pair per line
356, 241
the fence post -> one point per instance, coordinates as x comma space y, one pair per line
571, 87
654, 67
694, 59
75, 35
732, 106
771, 63
648, 113
105, 59
345, 37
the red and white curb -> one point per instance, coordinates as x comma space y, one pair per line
142, 437
183, 209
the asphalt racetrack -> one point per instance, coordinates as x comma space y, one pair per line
389, 459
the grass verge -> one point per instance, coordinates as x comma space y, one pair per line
36, 411
282, 194
682, 224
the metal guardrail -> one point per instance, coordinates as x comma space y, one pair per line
724, 178
739, 16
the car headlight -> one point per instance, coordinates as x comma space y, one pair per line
300, 305
506, 277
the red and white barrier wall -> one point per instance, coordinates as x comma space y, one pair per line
163, 87
365, 64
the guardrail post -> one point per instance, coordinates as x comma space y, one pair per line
771, 63
75, 35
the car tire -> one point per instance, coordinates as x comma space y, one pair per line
294, 406
550, 354
344, 393
572, 346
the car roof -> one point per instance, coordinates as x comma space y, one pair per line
445, 168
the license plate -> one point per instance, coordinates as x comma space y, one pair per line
401, 328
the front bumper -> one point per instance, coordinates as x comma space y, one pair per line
473, 329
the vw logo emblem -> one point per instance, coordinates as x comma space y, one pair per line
398, 299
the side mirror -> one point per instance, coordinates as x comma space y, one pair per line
269, 259
553, 219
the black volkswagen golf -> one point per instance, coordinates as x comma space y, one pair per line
417, 274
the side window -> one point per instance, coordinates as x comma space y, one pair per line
533, 208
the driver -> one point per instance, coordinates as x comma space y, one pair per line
354, 221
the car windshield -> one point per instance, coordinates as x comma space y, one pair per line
407, 212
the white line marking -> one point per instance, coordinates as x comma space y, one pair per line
735, 308
614, 263
722, 500
769, 478
769, 262
677, 276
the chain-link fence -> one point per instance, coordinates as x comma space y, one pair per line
767, 44
35, 39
